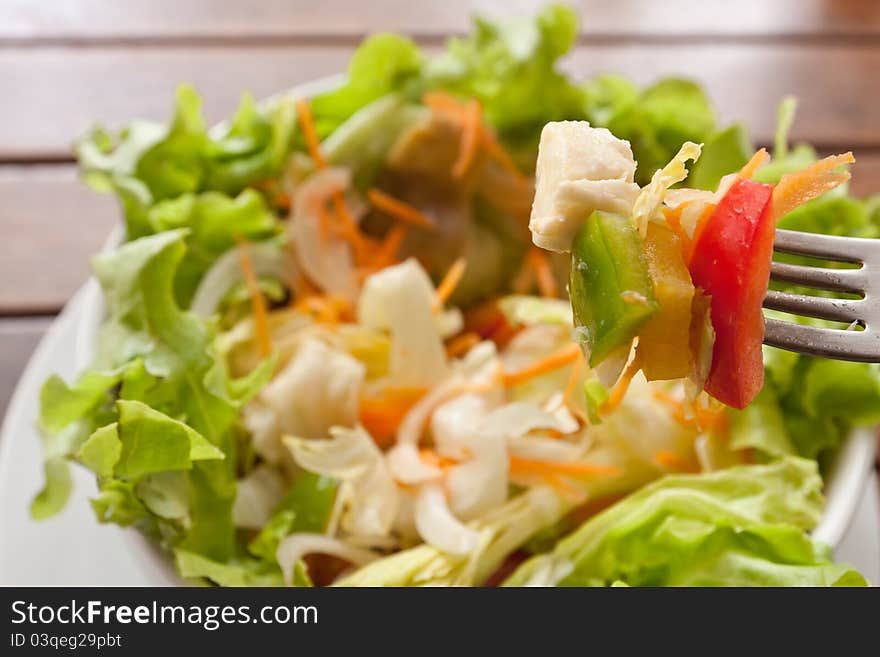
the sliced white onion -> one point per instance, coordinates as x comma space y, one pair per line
256, 497
407, 466
518, 419
294, 547
568, 423
327, 259
261, 422
533, 343
610, 369
455, 422
369, 494
400, 299
449, 322
317, 389
414, 422
267, 260
438, 526
546, 449
479, 484
675, 197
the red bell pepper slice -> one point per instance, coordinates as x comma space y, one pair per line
731, 263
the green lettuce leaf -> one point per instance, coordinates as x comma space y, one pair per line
510, 67
306, 508
177, 407
660, 119
724, 152
382, 64
741, 526
241, 572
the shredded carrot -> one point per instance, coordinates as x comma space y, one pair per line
400, 209
326, 309
432, 458
448, 284
573, 378
757, 160
569, 468
557, 482
673, 461
559, 358
443, 103
258, 301
543, 272
307, 123
795, 189
387, 253
470, 135
618, 392
325, 221
522, 283
381, 415
692, 415
449, 106
350, 231
497, 152
462, 344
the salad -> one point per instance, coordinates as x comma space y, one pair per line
345, 342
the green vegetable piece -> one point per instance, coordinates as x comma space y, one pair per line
743, 526
596, 394
305, 508
612, 295
725, 152
153, 442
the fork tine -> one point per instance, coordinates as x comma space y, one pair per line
839, 310
838, 280
827, 247
860, 346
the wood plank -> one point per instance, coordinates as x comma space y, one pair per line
18, 338
51, 217
113, 84
52, 224
191, 19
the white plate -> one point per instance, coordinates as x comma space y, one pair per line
33, 553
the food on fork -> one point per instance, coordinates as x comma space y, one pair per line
632, 251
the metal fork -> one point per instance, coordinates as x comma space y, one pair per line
864, 281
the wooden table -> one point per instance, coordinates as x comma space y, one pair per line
64, 66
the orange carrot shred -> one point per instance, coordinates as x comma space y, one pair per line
675, 462
573, 378
757, 160
462, 344
559, 358
400, 209
381, 415
469, 137
543, 273
387, 253
258, 301
349, 226
569, 468
497, 152
444, 103
448, 284
307, 123
796, 188
618, 392
430, 457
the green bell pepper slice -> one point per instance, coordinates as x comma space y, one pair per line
612, 295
